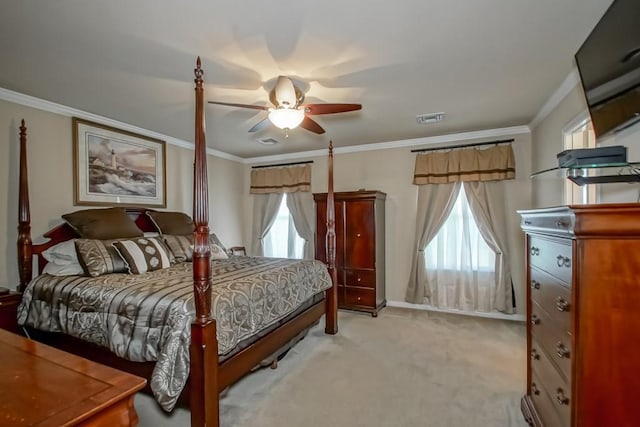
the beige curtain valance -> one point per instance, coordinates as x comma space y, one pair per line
281, 180
465, 165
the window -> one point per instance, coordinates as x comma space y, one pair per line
282, 240
579, 134
458, 246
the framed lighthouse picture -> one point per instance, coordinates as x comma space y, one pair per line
116, 167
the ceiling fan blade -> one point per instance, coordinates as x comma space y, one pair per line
330, 108
229, 104
311, 125
260, 125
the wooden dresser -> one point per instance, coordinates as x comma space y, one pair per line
360, 247
43, 386
583, 312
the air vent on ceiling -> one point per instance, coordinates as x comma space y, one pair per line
267, 141
424, 119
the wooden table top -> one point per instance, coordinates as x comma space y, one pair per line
43, 386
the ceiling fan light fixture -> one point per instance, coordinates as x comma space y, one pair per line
286, 118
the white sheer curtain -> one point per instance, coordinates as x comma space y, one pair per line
265, 211
459, 264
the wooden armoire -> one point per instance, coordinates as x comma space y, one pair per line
360, 247
583, 308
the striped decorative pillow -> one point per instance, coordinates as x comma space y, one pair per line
180, 246
99, 257
143, 254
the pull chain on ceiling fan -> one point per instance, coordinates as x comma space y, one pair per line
289, 112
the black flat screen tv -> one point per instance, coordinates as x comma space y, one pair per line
609, 66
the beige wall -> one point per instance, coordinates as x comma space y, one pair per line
391, 171
51, 182
547, 142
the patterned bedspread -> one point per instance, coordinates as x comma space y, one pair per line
148, 317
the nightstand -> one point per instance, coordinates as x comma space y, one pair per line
9, 310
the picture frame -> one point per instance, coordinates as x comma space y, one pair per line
115, 167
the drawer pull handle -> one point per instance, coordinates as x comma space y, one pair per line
534, 389
535, 320
357, 234
534, 354
358, 298
561, 224
527, 222
358, 278
562, 351
563, 261
561, 398
562, 304
535, 284
535, 251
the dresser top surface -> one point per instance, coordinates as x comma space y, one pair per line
52, 388
620, 220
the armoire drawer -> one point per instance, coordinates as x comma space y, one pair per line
360, 296
362, 278
552, 256
550, 382
552, 296
555, 342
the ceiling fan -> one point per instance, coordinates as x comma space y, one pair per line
289, 112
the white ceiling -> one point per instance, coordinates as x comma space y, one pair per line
486, 63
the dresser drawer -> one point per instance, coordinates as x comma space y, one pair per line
551, 383
552, 256
544, 403
553, 222
552, 297
554, 341
361, 278
360, 296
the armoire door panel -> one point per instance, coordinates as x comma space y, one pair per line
321, 230
359, 238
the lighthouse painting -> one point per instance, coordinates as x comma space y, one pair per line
115, 167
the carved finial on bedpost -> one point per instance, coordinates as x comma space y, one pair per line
331, 316
199, 72
24, 215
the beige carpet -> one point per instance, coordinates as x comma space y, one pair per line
404, 368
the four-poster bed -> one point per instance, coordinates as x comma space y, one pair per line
208, 373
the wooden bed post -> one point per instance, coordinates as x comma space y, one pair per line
331, 315
25, 249
204, 344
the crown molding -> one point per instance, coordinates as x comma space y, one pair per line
416, 142
63, 110
567, 85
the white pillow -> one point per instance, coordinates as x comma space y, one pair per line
71, 269
62, 254
217, 252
